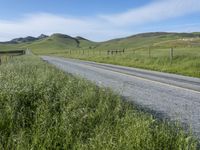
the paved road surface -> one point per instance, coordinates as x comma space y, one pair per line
173, 96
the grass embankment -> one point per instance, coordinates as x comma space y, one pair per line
186, 61
43, 108
186, 46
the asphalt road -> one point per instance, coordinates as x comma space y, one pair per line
171, 96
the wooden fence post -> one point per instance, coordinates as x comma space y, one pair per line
171, 54
149, 52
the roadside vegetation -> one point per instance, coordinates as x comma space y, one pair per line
185, 60
44, 108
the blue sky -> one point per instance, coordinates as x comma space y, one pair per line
66, 7
97, 20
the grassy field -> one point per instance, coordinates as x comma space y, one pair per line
43, 108
186, 46
186, 61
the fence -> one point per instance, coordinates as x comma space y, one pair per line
13, 52
5, 55
140, 52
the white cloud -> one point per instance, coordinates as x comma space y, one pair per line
100, 27
35, 24
157, 11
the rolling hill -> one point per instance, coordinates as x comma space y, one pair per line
58, 43
47, 44
150, 39
146, 50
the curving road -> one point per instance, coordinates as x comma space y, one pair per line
173, 96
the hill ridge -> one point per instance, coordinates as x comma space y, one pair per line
58, 42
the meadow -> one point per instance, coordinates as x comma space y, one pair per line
44, 108
186, 60
186, 57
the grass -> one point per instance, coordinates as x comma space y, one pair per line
186, 61
44, 108
186, 50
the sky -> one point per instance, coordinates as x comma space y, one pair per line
97, 20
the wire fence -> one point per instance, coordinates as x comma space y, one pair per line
143, 52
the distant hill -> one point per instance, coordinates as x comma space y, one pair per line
148, 39
21, 40
58, 43
42, 36
25, 39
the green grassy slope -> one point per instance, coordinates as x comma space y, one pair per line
60, 42
43, 108
7, 47
186, 50
57, 43
54, 43
147, 39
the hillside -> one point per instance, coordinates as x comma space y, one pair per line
25, 39
60, 43
148, 51
149, 39
52, 44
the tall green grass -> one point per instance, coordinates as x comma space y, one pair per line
44, 108
186, 50
186, 61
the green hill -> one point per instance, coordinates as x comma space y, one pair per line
55, 43
146, 50
59, 43
149, 39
